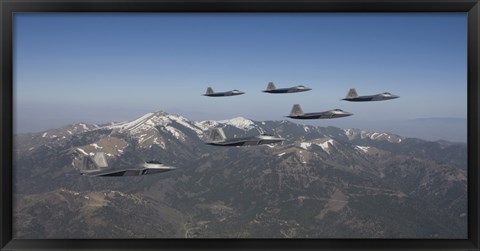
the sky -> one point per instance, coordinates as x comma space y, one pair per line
99, 68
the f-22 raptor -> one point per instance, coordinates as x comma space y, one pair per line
98, 166
272, 89
217, 138
211, 93
297, 113
352, 96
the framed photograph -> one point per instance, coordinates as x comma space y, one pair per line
279, 125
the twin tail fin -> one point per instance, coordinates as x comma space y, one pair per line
209, 90
352, 93
217, 134
296, 111
271, 86
95, 163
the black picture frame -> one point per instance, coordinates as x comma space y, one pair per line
9, 7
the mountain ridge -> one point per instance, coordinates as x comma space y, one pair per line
321, 182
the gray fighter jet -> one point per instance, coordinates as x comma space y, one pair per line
299, 88
352, 96
211, 93
217, 138
297, 113
98, 166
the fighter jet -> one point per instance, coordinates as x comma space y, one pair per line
211, 93
98, 166
299, 88
297, 113
217, 138
352, 96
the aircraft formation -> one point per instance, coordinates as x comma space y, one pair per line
297, 112
218, 138
98, 166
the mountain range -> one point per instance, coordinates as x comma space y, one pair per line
321, 182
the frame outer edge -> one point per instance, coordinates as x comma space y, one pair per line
6, 116
6, 112
473, 70
473, 46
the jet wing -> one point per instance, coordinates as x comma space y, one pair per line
230, 143
116, 172
130, 172
235, 142
122, 173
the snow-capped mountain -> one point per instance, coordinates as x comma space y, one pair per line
320, 182
359, 134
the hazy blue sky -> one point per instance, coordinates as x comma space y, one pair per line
99, 68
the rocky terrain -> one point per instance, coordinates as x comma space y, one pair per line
321, 182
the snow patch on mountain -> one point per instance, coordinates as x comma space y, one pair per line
206, 125
84, 126
143, 138
356, 133
377, 135
184, 122
143, 122
148, 121
175, 132
363, 148
305, 145
150, 138
146, 128
326, 145
82, 151
96, 146
239, 122
161, 144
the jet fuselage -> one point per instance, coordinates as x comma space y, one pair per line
255, 140
144, 169
299, 88
377, 97
224, 94
337, 113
